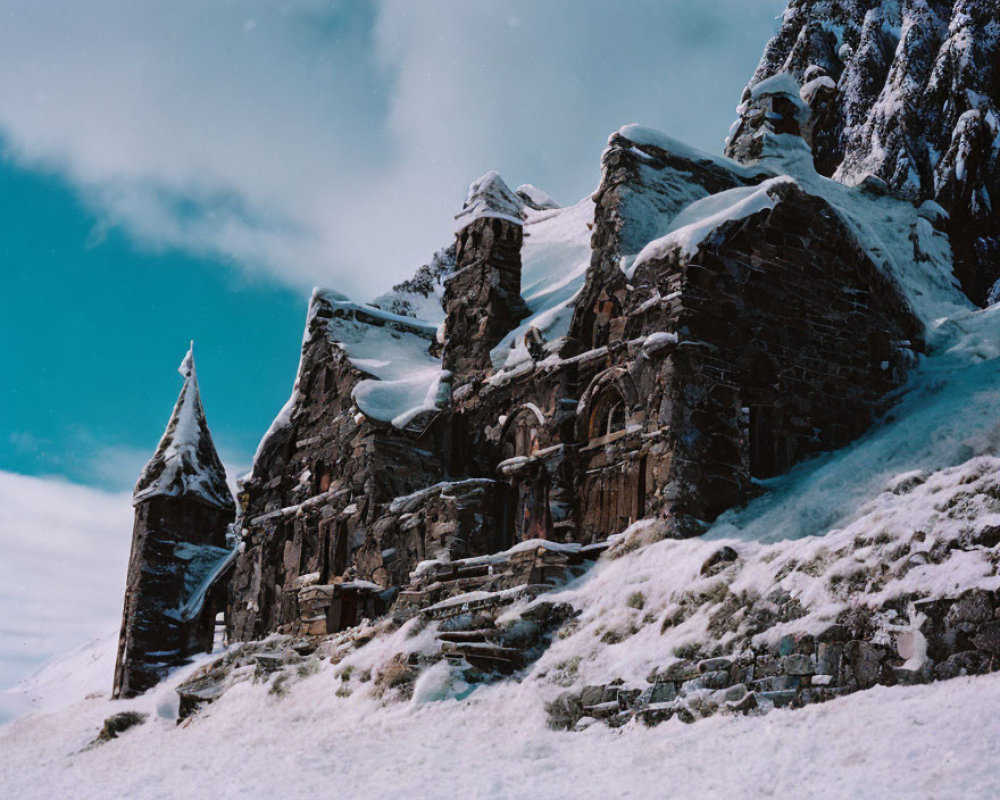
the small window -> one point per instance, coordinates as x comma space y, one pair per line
522, 437
329, 381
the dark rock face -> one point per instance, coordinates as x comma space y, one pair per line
183, 509
908, 92
118, 724
420, 296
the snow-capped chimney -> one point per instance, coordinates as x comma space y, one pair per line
773, 108
482, 298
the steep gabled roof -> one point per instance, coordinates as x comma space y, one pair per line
185, 462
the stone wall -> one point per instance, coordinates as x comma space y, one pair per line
941, 639
319, 485
790, 339
171, 537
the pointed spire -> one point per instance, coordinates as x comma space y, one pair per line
185, 462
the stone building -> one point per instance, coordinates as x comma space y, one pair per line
694, 326
175, 585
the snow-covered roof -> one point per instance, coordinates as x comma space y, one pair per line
536, 198
489, 196
185, 461
697, 222
406, 378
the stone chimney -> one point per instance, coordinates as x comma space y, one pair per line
770, 109
183, 508
482, 298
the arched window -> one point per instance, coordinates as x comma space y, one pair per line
608, 415
522, 436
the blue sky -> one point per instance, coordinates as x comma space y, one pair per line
189, 170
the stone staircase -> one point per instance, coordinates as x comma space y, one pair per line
468, 597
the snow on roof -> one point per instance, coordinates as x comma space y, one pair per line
406, 379
699, 220
554, 261
185, 462
887, 229
536, 198
489, 196
666, 207
393, 349
650, 137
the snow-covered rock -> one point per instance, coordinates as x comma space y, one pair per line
916, 104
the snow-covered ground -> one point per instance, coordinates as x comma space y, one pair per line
936, 741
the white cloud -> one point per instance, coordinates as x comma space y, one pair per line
63, 556
331, 142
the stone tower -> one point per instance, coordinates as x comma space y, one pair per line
183, 508
482, 298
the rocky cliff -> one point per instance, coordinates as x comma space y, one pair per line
906, 91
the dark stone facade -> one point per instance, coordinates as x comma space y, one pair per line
320, 484
172, 539
483, 295
676, 387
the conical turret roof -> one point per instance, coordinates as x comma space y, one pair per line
185, 462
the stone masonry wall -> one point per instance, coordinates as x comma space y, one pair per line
318, 486
154, 637
944, 639
790, 339
642, 188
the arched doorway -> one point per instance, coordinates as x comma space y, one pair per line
526, 512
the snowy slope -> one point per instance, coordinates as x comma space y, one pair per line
936, 741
